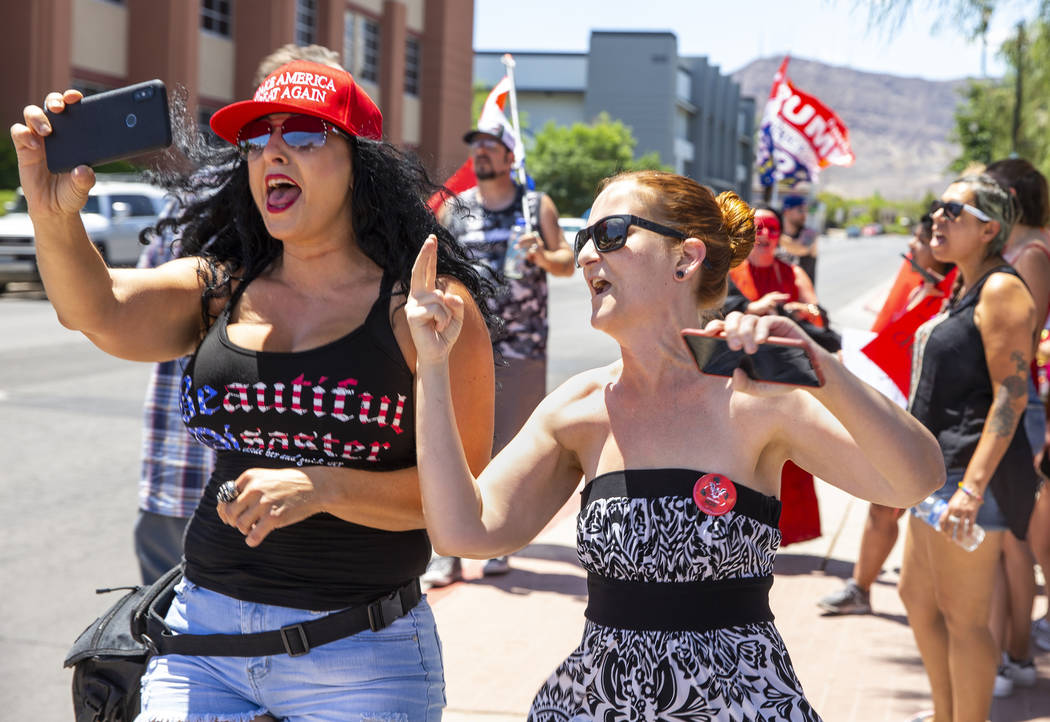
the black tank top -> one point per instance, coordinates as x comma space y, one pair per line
348, 403
952, 393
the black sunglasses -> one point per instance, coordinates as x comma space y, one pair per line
301, 132
954, 209
610, 233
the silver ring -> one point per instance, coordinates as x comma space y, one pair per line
227, 492
954, 519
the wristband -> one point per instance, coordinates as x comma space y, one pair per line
971, 494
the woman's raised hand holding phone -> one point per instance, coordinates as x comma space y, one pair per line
435, 317
747, 332
46, 192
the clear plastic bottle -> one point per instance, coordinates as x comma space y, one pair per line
930, 510
514, 257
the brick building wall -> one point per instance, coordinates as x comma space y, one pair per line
211, 48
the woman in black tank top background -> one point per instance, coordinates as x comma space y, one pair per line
300, 237
1028, 251
969, 387
677, 528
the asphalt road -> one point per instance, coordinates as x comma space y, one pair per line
70, 417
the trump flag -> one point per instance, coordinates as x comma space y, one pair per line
799, 135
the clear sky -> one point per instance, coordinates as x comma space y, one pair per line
732, 33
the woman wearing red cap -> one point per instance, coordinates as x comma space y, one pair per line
305, 550
677, 528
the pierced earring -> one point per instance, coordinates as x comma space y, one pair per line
679, 274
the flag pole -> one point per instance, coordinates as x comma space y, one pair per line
519, 163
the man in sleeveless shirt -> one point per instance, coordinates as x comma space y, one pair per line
484, 223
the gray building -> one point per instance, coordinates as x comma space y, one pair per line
681, 107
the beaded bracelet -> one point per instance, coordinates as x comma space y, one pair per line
971, 494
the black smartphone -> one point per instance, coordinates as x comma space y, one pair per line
927, 275
109, 126
778, 360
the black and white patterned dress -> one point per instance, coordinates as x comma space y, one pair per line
644, 526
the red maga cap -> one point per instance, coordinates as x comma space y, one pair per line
310, 88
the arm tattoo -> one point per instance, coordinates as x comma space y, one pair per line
1004, 418
1019, 363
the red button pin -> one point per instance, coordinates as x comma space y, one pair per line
714, 494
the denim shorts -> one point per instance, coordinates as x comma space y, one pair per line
989, 516
393, 675
1034, 419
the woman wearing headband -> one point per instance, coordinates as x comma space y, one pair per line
302, 235
969, 387
677, 528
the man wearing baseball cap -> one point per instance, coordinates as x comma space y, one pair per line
798, 243
489, 219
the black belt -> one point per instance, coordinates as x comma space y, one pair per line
293, 640
678, 606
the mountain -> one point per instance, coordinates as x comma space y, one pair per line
899, 127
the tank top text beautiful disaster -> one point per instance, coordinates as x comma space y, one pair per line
348, 403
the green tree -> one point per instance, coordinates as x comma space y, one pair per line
982, 129
984, 120
8, 163
569, 162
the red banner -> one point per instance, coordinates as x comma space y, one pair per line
891, 349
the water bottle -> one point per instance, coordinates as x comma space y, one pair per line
514, 257
930, 510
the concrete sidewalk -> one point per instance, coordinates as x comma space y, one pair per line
503, 636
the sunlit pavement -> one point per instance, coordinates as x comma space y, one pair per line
503, 636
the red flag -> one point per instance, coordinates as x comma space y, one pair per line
897, 299
458, 182
891, 349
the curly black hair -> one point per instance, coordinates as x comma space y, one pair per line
219, 221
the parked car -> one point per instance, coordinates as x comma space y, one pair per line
872, 229
114, 214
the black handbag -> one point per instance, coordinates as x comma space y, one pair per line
109, 657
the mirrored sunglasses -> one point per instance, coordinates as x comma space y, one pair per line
301, 132
954, 209
486, 143
610, 233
